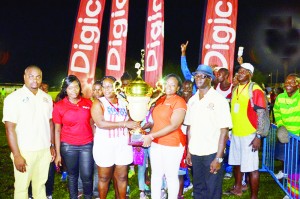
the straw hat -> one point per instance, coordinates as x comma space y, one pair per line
283, 135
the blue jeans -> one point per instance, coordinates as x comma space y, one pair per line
142, 169
79, 159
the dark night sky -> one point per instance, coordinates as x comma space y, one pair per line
40, 32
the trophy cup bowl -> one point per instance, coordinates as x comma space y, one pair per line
137, 96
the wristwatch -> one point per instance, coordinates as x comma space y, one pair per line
258, 136
52, 145
220, 160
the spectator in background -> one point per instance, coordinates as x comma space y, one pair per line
208, 120
224, 87
287, 114
126, 78
27, 114
246, 131
143, 187
74, 136
184, 178
111, 151
166, 138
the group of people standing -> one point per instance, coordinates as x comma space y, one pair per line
86, 133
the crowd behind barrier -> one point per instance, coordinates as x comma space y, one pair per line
290, 184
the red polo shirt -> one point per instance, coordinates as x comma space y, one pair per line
75, 121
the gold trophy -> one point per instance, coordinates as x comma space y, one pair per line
137, 96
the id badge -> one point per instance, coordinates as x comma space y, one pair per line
236, 107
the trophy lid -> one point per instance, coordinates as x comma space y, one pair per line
138, 88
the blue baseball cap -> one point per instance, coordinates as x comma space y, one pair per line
204, 69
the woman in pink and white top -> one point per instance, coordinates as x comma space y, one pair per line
111, 151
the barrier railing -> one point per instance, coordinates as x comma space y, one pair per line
290, 183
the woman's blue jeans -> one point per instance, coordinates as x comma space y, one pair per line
142, 169
79, 159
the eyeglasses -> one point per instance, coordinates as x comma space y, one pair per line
201, 76
292, 83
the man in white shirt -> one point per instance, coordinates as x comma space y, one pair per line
208, 119
27, 114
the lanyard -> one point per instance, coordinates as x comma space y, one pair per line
116, 108
149, 113
237, 91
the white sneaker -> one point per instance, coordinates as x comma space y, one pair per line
163, 194
286, 197
280, 175
49, 197
142, 195
186, 189
227, 176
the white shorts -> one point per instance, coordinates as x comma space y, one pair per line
111, 151
240, 153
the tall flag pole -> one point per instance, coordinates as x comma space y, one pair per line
154, 46
116, 50
85, 45
219, 34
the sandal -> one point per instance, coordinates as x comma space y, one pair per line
232, 191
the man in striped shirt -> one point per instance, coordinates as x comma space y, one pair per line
287, 113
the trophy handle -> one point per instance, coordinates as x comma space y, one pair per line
117, 85
159, 87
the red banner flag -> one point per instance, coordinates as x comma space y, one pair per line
220, 34
116, 50
86, 40
154, 47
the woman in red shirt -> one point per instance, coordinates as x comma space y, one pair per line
74, 136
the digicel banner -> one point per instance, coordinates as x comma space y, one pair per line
220, 34
154, 47
116, 50
86, 42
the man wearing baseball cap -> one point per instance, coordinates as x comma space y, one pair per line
208, 120
247, 125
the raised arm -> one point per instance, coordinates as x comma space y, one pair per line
184, 67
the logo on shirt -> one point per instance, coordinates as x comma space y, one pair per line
86, 107
211, 106
25, 100
45, 99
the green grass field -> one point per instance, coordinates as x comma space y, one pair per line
268, 188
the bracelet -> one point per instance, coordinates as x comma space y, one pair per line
52, 145
151, 136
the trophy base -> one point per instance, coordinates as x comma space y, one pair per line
136, 139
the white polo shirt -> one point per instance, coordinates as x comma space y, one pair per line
31, 114
206, 117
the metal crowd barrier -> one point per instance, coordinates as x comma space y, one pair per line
290, 183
